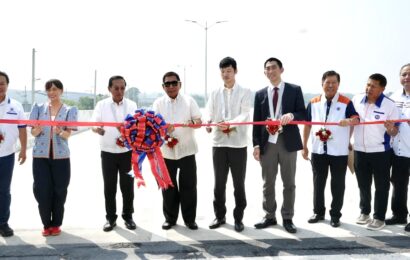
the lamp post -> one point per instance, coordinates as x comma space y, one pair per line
206, 27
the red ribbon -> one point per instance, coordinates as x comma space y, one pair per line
115, 124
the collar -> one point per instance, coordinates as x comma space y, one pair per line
323, 98
280, 86
378, 102
405, 94
115, 103
173, 100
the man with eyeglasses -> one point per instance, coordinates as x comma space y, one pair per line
228, 104
179, 152
115, 159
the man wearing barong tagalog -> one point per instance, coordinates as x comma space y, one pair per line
115, 160
179, 152
330, 145
373, 151
401, 157
229, 103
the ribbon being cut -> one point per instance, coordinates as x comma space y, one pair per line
144, 133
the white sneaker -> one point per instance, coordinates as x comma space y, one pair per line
376, 224
363, 219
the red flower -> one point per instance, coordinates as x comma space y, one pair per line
324, 134
171, 141
272, 129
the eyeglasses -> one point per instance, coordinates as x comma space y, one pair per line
170, 83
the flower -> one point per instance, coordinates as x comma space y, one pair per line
228, 130
272, 129
324, 134
171, 141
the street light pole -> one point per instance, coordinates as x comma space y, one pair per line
33, 75
206, 27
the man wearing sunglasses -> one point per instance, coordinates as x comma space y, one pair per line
179, 151
228, 104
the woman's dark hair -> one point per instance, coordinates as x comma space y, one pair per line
54, 82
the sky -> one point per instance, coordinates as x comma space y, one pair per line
141, 40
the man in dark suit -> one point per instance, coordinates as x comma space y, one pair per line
275, 146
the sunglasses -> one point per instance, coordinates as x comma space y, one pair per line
170, 83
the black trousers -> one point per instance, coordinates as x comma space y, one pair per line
183, 193
116, 165
320, 166
369, 166
225, 158
400, 181
51, 180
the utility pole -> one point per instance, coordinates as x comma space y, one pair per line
95, 88
33, 76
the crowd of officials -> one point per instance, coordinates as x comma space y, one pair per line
381, 151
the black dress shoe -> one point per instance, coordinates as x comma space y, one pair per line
288, 225
316, 218
335, 222
130, 224
168, 225
239, 226
217, 223
394, 220
407, 228
191, 225
109, 226
6, 231
266, 222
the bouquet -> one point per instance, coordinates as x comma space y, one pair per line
324, 134
171, 141
272, 129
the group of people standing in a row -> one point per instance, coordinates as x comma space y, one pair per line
377, 148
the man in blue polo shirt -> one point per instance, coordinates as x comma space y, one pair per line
9, 133
401, 157
372, 149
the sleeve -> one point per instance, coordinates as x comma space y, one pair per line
21, 115
350, 111
96, 117
300, 110
72, 116
155, 106
35, 112
257, 116
245, 107
210, 108
394, 114
309, 112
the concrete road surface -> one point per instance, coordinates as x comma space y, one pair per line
83, 237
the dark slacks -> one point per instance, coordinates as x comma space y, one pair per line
400, 181
225, 158
114, 165
51, 180
369, 166
6, 173
320, 166
183, 193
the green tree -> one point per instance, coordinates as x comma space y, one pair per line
133, 94
85, 103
